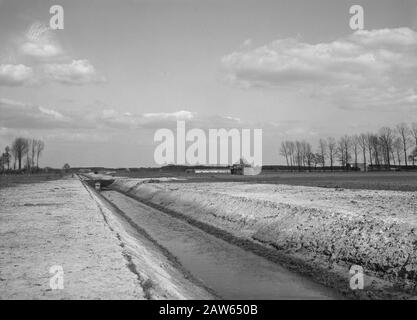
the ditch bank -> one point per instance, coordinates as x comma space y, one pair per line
316, 232
158, 273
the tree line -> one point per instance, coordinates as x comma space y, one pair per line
385, 148
23, 154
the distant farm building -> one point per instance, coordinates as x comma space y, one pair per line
240, 168
362, 167
244, 168
209, 171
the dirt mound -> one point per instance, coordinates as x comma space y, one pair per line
336, 229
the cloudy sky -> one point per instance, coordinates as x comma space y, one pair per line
97, 91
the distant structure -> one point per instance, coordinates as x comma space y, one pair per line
362, 167
209, 171
216, 171
243, 168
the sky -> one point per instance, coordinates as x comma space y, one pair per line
97, 91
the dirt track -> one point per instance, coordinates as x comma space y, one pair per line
62, 223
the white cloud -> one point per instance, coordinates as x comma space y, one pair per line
12, 103
77, 72
52, 113
247, 43
42, 50
15, 114
39, 42
87, 136
233, 118
366, 68
179, 115
47, 61
15, 74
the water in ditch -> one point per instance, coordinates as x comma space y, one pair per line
232, 272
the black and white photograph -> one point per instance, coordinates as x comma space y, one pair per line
208, 155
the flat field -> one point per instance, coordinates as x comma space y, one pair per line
396, 181
49, 222
13, 180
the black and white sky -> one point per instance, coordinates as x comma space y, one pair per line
96, 91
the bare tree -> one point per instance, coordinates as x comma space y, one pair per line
2, 163
298, 152
308, 154
284, 151
40, 145
14, 154
398, 148
413, 155
384, 148
322, 151
33, 145
344, 145
370, 144
363, 145
291, 150
386, 136
317, 159
19, 149
392, 153
28, 154
374, 145
331, 146
404, 132
414, 135
7, 156
340, 153
354, 140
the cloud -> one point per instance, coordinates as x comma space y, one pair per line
39, 42
47, 61
15, 114
54, 114
15, 74
78, 72
87, 136
45, 50
366, 68
179, 115
247, 43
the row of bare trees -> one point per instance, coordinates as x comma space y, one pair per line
389, 146
23, 154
